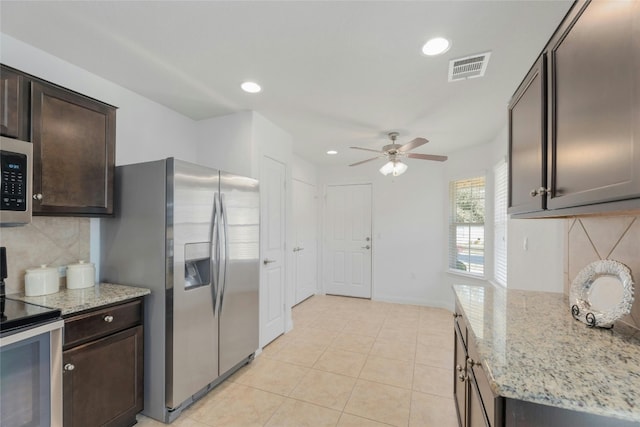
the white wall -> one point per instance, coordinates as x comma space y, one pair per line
407, 235
145, 130
225, 143
304, 171
536, 254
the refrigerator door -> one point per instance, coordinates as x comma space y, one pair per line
240, 254
192, 327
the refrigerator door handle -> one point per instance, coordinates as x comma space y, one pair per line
225, 246
215, 254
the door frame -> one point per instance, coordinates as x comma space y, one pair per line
323, 230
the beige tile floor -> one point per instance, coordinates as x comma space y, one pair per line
347, 362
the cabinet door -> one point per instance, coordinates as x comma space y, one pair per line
14, 104
103, 381
594, 72
460, 384
477, 415
527, 142
73, 153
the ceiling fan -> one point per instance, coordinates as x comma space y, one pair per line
395, 152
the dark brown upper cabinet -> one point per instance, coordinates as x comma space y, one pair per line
14, 104
73, 152
591, 144
594, 116
527, 142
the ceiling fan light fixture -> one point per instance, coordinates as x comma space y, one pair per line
436, 46
393, 167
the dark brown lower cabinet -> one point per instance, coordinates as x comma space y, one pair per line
103, 382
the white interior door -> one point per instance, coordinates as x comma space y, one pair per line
304, 250
272, 231
347, 256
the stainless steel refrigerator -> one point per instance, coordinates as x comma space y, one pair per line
191, 234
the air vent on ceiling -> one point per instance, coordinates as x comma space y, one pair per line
468, 67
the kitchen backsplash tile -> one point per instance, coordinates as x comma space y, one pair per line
594, 238
53, 241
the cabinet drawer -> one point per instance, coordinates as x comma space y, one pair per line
96, 324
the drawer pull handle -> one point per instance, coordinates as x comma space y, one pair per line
462, 377
108, 318
69, 367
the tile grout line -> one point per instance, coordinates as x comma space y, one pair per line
621, 237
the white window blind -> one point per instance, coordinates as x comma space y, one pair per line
500, 172
466, 225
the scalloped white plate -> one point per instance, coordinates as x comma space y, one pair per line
582, 287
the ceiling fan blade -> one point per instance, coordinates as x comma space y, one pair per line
367, 149
365, 161
427, 157
413, 144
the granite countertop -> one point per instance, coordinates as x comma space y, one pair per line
71, 301
533, 350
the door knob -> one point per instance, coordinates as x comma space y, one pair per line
268, 261
366, 247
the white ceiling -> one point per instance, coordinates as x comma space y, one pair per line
334, 73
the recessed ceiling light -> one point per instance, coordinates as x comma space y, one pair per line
251, 87
436, 46
332, 152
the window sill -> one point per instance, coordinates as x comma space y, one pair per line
467, 275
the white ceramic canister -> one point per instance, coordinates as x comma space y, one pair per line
41, 280
81, 275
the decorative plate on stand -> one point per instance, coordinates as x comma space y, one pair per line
601, 293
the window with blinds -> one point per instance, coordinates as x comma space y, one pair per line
500, 173
466, 225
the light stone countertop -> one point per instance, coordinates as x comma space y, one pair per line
71, 301
533, 350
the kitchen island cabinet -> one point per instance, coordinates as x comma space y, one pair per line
588, 153
530, 363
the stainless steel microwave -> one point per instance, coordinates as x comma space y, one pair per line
16, 162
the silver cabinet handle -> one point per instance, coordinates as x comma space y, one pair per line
462, 377
69, 367
108, 318
459, 368
298, 249
366, 247
541, 191
268, 261
473, 363
37, 196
